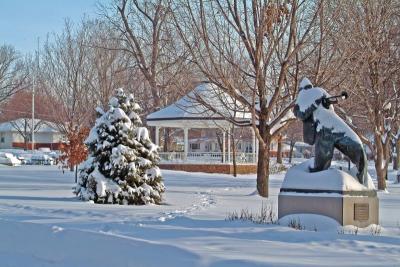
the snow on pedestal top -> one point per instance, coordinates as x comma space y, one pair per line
299, 177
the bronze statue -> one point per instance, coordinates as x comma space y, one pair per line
324, 128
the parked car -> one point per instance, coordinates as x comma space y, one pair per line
41, 159
22, 159
44, 150
9, 159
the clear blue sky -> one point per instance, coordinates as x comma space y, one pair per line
22, 21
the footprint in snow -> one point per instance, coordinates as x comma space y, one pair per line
205, 200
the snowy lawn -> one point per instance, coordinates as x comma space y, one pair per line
43, 224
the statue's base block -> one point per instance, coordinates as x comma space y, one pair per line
333, 193
356, 210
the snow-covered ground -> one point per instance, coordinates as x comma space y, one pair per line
43, 224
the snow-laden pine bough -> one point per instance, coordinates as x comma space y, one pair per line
122, 164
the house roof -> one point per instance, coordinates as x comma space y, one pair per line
44, 127
195, 110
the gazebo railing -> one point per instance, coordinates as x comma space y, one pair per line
206, 157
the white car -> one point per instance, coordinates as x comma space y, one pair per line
9, 159
22, 159
41, 159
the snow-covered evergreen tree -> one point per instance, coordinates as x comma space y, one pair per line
122, 163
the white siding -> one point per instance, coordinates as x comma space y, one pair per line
7, 138
39, 138
57, 137
43, 137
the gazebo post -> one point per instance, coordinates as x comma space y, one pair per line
229, 145
223, 146
186, 141
253, 135
157, 135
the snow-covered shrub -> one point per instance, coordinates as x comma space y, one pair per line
276, 168
122, 164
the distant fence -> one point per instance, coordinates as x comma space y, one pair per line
206, 157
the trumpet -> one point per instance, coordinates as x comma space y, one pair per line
327, 101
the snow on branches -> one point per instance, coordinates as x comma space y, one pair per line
122, 164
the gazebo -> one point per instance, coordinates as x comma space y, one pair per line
193, 111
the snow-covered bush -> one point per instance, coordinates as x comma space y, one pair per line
277, 168
122, 163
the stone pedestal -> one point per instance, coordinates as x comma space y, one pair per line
355, 210
333, 193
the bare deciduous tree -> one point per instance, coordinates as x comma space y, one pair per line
293, 134
64, 77
248, 49
147, 36
368, 34
109, 66
13, 73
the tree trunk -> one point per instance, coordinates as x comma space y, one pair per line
381, 175
381, 163
25, 135
76, 173
25, 143
396, 160
263, 160
219, 141
157, 103
263, 166
166, 139
279, 150
292, 143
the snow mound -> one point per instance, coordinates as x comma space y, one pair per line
299, 177
372, 229
310, 222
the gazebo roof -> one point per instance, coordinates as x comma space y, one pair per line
193, 110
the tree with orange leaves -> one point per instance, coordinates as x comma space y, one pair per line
74, 151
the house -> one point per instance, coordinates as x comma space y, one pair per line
17, 134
